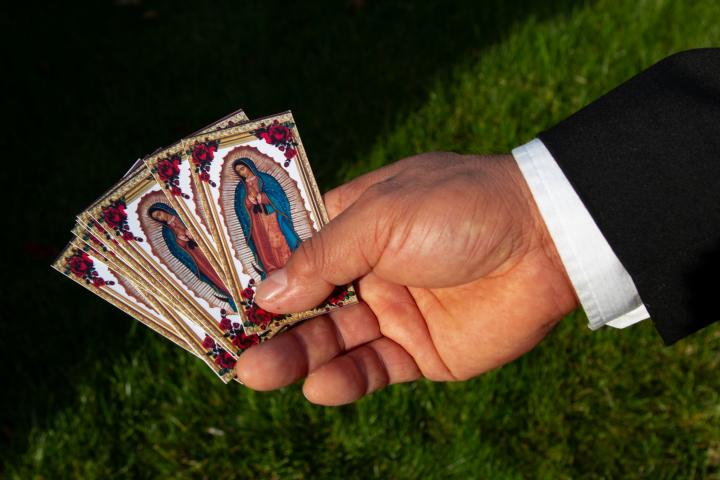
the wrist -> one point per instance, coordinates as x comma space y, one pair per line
540, 238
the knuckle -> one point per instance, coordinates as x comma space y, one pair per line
338, 199
311, 257
381, 191
374, 192
333, 202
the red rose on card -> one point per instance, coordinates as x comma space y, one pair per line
264, 136
225, 324
290, 153
259, 317
169, 168
203, 153
243, 342
279, 133
248, 293
208, 342
225, 360
114, 216
80, 264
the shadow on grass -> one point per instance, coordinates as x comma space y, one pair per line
99, 84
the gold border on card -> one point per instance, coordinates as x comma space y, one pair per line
131, 267
118, 301
227, 256
169, 310
136, 270
241, 134
181, 335
118, 263
206, 244
149, 288
83, 245
237, 117
131, 189
188, 217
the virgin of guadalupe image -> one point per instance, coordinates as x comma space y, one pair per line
181, 245
264, 214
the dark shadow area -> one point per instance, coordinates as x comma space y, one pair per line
95, 85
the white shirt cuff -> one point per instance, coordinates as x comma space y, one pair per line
603, 286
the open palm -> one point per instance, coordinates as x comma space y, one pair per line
455, 272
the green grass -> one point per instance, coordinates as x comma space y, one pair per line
606, 404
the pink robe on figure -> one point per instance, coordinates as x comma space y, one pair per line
270, 243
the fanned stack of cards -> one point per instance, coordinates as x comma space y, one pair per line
181, 242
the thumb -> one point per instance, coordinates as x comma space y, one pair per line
345, 249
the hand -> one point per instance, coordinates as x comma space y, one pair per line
185, 236
455, 270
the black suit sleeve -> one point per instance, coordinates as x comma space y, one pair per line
645, 160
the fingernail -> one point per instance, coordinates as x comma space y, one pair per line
273, 286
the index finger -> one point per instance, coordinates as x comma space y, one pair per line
292, 355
